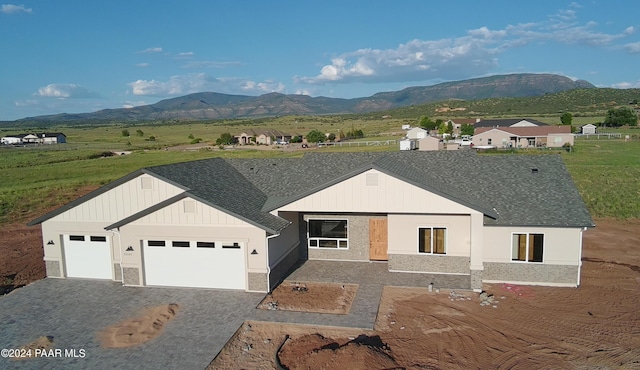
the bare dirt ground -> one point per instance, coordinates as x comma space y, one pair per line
311, 297
21, 253
594, 326
138, 330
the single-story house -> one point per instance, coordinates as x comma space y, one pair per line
40, 138
417, 133
242, 223
263, 136
458, 122
588, 129
523, 137
508, 122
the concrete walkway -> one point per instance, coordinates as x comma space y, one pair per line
74, 311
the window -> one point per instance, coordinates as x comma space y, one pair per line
233, 246
527, 247
432, 240
328, 234
489, 141
532, 142
76, 238
156, 243
178, 244
206, 245
98, 238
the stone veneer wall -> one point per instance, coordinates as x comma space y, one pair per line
476, 279
117, 272
531, 273
279, 271
357, 232
257, 282
53, 268
131, 276
429, 263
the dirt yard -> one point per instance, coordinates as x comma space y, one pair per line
311, 297
594, 326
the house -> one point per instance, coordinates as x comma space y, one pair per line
263, 136
510, 122
458, 122
523, 137
242, 223
41, 138
588, 129
417, 133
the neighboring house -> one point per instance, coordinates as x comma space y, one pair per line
511, 122
523, 137
588, 129
242, 223
417, 133
458, 122
41, 138
263, 136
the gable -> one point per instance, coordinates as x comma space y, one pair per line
523, 123
374, 192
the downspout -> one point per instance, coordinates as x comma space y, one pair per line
268, 265
580, 256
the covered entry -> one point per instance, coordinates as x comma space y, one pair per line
88, 256
200, 264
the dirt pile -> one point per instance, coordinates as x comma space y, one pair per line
141, 329
317, 352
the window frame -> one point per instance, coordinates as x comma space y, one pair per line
527, 238
445, 236
341, 243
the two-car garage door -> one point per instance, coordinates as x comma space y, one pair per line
201, 264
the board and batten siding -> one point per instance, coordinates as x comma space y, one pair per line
375, 192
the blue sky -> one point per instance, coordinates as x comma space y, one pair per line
82, 56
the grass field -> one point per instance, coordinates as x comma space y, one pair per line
606, 171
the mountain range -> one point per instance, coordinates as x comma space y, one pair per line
211, 105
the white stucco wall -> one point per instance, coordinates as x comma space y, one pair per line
403, 233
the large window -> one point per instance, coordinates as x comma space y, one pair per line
432, 240
328, 234
527, 247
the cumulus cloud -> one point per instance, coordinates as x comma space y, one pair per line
633, 47
12, 9
473, 54
626, 85
143, 65
185, 54
64, 91
150, 50
199, 82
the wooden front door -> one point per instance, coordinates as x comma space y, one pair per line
378, 239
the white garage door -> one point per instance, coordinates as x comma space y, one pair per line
88, 256
197, 264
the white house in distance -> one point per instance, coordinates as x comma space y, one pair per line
417, 133
242, 223
40, 138
523, 137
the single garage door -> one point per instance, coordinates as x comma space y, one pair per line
198, 264
88, 256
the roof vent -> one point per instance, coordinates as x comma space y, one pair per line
534, 171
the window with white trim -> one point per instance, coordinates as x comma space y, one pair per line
432, 240
327, 233
527, 247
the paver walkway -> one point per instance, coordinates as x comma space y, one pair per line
74, 311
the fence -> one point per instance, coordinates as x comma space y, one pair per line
597, 136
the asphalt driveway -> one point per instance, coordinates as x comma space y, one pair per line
73, 311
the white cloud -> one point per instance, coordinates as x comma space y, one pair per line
473, 54
303, 92
131, 104
26, 103
200, 82
143, 65
210, 64
185, 54
626, 85
12, 9
633, 47
150, 50
65, 91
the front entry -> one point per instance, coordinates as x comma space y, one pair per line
378, 239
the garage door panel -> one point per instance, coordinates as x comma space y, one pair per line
216, 267
88, 256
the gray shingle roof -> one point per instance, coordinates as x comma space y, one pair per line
505, 122
503, 187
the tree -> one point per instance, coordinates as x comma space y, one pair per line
315, 136
139, 133
225, 139
427, 124
566, 119
449, 128
125, 133
296, 139
466, 129
442, 128
622, 116
332, 137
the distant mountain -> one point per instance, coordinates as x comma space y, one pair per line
210, 105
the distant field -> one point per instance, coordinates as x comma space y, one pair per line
606, 171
